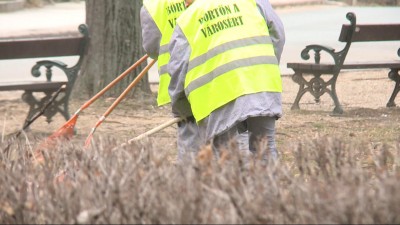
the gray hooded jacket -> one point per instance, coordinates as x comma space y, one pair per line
231, 114
151, 35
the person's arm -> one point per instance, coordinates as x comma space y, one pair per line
151, 34
275, 25
179, 49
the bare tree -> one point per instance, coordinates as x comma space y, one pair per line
115, 44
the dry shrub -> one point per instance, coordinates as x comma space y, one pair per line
326, 181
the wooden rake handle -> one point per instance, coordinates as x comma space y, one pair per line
115, 81
152, 131
129, 88
118, 100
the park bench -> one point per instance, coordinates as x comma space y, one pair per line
37, 92
318, 84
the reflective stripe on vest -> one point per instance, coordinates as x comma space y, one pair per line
164, 14
232, 54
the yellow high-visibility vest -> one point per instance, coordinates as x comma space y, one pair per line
164, 14
232, 54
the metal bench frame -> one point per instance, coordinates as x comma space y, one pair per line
46, 47
317, 86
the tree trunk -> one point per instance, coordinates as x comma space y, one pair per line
115, 44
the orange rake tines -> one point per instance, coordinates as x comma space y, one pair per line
67, 130
117, 101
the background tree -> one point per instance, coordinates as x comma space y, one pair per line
115, 44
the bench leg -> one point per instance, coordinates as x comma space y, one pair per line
31, 100
59, 105
394, 75
316, 87
298, 78
338, 108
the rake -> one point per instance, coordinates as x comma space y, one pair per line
66, 131
28, 122
117, 101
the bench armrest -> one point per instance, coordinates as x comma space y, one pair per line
305, 53
338, 56
72, 71
49, 64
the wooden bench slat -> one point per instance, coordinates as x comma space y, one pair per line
371, 32
33, 48
34, 86
372, 65
310, 66
352, 65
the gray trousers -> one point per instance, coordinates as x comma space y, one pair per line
190, 139
258, 140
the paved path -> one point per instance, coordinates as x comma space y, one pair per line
304, 25
286, 3
54, 18
65, 16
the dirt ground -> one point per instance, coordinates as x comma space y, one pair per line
363, 96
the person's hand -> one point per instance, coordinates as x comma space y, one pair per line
189, 119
